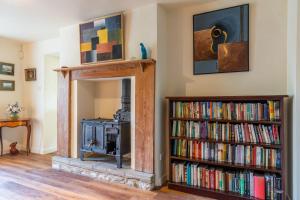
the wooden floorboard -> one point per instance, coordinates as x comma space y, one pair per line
31, 178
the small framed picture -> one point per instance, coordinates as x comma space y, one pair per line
7, 69
7, 85
30, 74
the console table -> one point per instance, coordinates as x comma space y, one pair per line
16, 123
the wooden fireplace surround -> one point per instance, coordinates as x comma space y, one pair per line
144, 72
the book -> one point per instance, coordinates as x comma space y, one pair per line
243, 132
259, 187
245, 183
229, 153
267, 111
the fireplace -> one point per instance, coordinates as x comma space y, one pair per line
108, 136
74, 86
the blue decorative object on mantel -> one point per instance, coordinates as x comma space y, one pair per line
143, 51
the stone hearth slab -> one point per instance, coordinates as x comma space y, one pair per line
104, 171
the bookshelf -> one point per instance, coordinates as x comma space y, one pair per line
230, 147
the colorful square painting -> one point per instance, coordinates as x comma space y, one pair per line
221, 41
102, 39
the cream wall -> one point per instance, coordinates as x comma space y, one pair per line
83, 107
50, 103
35, 92
267, 75
141, 26
107, 98
162, 76
10, 52
293, 62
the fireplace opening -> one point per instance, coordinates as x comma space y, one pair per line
105, 121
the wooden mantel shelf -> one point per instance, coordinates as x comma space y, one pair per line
122, 63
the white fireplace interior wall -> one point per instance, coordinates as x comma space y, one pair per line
98, 98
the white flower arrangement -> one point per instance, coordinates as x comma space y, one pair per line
14, 109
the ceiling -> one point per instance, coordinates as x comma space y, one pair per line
34, 20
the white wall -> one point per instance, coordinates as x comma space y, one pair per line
10, 52
267, 75
34, 100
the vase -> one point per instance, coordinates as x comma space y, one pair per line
14, 116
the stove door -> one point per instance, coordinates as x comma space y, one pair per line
99, 147
87, 136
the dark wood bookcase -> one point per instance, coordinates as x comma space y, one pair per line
281, 172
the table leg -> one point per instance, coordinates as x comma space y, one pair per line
1, 141
28, 139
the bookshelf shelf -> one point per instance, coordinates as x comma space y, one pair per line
229, 165
268, 128
226, 121
208, 192
272, 146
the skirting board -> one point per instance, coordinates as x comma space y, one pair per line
41, 150
49, 150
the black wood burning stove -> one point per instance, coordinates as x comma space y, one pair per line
108, 136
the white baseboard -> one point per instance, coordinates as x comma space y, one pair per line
49, 150
35, 150
159, 181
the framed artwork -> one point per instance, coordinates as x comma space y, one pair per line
7, 85
102, 39
30, 74
7, 68
221, 41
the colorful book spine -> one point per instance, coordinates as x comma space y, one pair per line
244, 132
244, 183
229, 153
267, 111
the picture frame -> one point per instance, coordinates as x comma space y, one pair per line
7, 69
30, 74
102, 39
221, 41
7, 85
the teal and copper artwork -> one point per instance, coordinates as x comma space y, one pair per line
221, 40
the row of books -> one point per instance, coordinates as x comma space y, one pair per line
244, 132
270, 110
244, 183
229, 153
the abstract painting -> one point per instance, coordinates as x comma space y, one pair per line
6, 85
102, 39
221, 41
7, 68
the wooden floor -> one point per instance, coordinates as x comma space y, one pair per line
31, 178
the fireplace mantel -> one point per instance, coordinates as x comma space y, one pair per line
122, 63
144, 73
